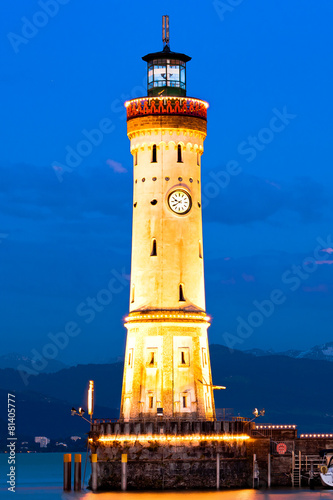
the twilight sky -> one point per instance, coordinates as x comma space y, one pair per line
65, 229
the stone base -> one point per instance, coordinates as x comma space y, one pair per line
183, 455
154, 465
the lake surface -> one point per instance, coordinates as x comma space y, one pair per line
39, 476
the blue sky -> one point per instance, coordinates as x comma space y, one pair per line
265, 69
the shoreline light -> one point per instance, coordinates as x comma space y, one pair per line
169, 438
321, 436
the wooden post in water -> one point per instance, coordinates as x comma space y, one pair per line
255, 472
124, 472
94, 472
269, 470
77, 472
217, 471
311, 481
67, 472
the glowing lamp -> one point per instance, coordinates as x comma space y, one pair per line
91, 397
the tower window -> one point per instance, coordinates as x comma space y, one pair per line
135, 158
204, 357
135, 204
154, 154
198, 158
152, 358
132, 294
208, 405
130, 358
184, 356
151, 402
184, 401
200, 249
153, 202
199, 204
180, 179
181, 293
179, 154
153, 252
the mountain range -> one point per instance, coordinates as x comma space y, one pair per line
293, 390
323, 352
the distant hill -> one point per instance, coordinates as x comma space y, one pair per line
323, 352
13, 360
292, 390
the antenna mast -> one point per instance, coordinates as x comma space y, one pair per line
165, 31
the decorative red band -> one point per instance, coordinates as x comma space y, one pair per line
165, 106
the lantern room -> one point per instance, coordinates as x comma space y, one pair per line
166, 70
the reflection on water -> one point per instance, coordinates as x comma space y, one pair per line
56, 493
211, 495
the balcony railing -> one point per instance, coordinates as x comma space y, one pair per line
145, 106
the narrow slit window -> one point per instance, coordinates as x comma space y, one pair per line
152, 358
151, 402
179, 154
132, 294
154, 154
153, 252
183, 361
184, 401
198, 158
130, 358
135, 158
200, 249
181, 293
204, 356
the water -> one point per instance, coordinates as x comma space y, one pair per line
39, 476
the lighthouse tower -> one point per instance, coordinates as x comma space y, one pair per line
167, 366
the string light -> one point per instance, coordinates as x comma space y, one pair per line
168, 438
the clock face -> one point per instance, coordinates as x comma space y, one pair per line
180, 202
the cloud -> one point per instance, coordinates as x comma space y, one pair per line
230, 281
249, 198
327, 250
329, 262
116, 167
248, 277
318, 288
33, 192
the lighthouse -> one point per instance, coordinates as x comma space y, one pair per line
167, 371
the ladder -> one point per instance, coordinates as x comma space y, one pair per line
296, 469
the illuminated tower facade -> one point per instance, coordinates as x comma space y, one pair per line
167, 366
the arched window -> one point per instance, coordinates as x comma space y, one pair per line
135, 158
198, 158
181, 293
179, 154
132, 294
153, 252
154, 154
